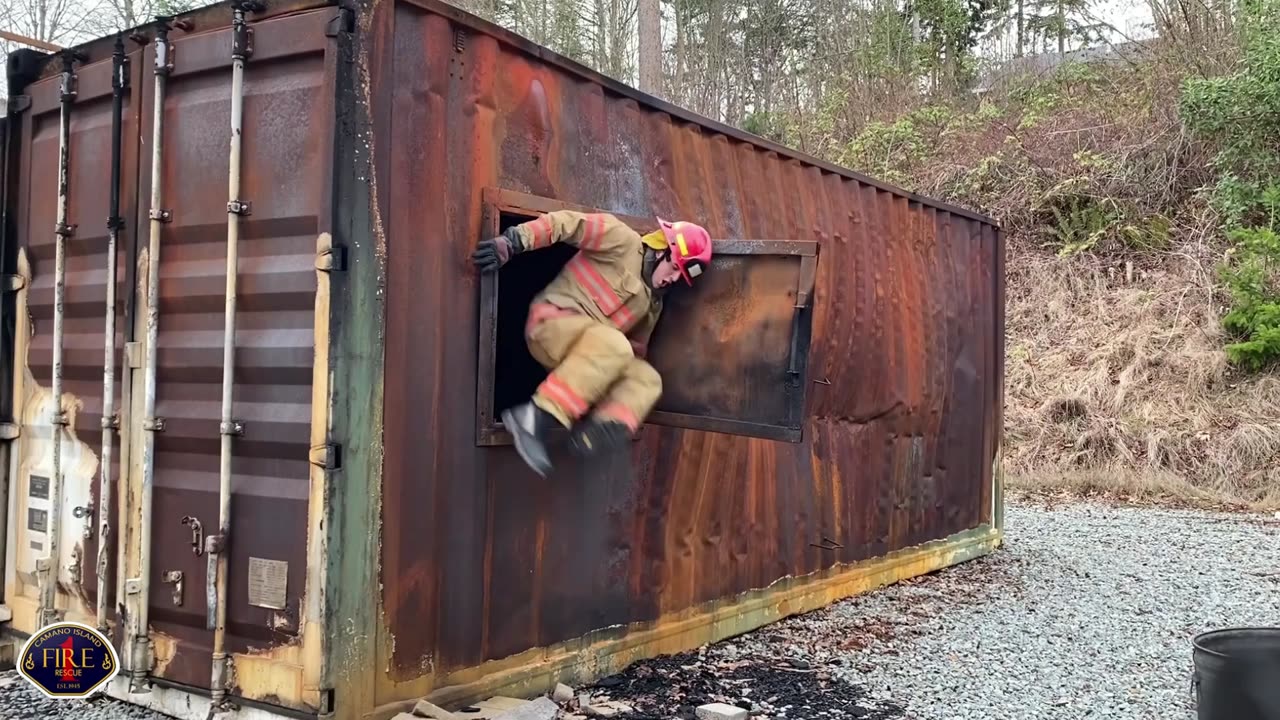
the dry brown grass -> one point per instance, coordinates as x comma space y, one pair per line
1119, 386
1116, 382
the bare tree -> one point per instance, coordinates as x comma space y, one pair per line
650, 46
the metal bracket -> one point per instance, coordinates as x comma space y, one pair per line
242, 42
10, 431
156, 424
115, 223
343, 22
19, 103
240, 207
827, 544
197, 535
164, 53
14, 283
120, 80
175, 577
327, 456
81, 512
215, 544
112, 422
163, 216
804, 293
65, 230
59, 418
68, 87
133, 354
235, 427
132, 586
332, 260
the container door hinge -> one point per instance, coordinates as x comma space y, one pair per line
14, 283
19, 103
343, 22
10, 431
332, 260
327, 456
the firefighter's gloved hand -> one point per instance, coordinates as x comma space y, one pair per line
493, 253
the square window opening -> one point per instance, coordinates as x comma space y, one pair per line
516, 373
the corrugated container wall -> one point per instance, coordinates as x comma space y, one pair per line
831, 408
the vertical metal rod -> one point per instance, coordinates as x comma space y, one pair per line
236, 206
48, 570
141, 665
119, 81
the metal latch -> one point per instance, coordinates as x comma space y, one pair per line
332, 260
327, 456
10, 431
197, 534
175, 577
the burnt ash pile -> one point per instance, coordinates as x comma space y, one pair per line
673, 686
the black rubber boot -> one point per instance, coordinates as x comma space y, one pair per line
599, 437
530, 427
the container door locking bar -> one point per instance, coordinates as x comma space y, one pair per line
230, 428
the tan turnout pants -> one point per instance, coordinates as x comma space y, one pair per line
592, 366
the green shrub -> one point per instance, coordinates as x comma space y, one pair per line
1240, 115
1252, 274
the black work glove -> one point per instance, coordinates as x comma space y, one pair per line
493, 253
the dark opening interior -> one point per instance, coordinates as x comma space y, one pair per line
517, 374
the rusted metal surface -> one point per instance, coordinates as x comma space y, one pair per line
34, 206
282, 173
480, 559
854, 330
286, 165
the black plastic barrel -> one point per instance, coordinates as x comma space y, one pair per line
1237, 674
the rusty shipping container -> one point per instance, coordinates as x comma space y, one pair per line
324, 516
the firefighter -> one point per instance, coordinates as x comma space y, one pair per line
591, 325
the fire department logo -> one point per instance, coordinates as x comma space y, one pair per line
68, 660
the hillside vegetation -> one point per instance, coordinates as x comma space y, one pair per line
1141, 200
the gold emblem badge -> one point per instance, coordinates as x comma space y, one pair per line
68, 660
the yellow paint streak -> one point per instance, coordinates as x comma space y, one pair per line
607, 651
129, 488
315, 669
268, 676
165, 648
33, 450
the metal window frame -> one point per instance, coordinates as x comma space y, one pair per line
489, 430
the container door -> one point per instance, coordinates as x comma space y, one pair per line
732, 352
272, 587
274, 581
38, 495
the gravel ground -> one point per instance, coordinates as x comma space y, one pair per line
1087, 612
20, 701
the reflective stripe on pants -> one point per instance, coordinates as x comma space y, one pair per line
591, 364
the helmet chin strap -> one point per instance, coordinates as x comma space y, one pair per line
651, 259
